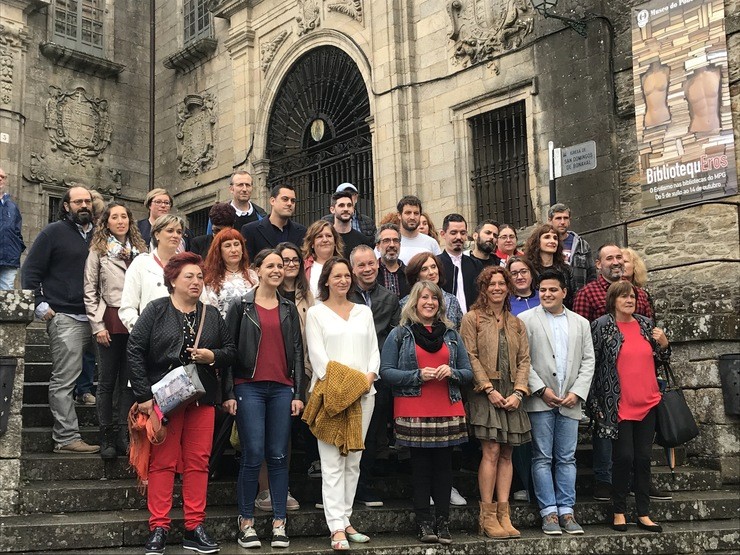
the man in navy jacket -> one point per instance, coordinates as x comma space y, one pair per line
11, 240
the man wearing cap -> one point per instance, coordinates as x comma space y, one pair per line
360, 222
343, 209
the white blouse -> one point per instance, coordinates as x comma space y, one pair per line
144, 282
351, 342
232, 291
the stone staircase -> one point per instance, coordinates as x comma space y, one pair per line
81, 504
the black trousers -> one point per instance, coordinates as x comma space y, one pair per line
376, 439
431, 475
631, 459
113, 377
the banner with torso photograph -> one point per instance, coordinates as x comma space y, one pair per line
682, 102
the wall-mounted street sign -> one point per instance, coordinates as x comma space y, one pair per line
574, 159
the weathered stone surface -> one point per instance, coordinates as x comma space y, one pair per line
8, 505
730, 469
10, 473
10, 443
708, 406
715, 440
15, 306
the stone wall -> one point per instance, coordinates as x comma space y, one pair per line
16, 312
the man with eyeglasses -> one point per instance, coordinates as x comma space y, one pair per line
391, 269
11, 240
278, 227
159, 203
485, 240
54, 270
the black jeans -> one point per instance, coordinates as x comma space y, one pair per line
113, 376
631, 457
431, 474
376, 439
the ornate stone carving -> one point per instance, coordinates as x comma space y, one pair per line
196, 123
269, 49
192, 55
483, 29
9, 40
78, 124
309, 16
350, 8
52, 172
81, 61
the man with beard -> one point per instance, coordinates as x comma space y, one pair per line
590, 302
576, 251
342, 208
359, 222
461, 270
278, 227
412, 240
485, 241
392, 270
54, 270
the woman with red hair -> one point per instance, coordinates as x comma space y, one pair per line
164, 338
227, 274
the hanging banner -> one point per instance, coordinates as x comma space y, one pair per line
682, 102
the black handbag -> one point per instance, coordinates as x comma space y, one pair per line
676, 424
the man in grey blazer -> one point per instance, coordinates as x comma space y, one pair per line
562, 354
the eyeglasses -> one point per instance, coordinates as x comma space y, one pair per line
520, 273
292, 261
389, 241
81, 201
162, 202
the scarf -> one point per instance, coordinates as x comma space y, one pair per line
144, 431
116, 249
430, 341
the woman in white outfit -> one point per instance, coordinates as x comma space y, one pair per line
145, 276
342, 331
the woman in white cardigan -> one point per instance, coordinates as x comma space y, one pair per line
145, 277
338, 329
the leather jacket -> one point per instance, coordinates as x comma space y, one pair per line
243, 323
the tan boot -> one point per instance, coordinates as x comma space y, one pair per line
502, 514
488, 523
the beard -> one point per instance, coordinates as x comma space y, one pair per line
485, 246
82, 217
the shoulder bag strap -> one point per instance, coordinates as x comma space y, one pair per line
200, 327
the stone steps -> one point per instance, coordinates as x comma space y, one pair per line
39, 415
391, 530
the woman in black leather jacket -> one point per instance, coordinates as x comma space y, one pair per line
267, 383
162, 339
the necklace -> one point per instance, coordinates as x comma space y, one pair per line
498, 318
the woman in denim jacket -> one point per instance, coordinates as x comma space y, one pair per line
425, 363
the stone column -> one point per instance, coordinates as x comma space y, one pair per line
16, 312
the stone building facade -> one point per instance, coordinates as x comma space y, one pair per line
452, 100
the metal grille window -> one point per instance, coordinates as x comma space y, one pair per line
54, 204
79, 24
198, 222
500, 175
197, 20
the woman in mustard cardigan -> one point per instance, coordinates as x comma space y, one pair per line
499, 354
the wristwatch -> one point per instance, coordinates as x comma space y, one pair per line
540, 392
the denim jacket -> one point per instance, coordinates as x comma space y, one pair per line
400, 369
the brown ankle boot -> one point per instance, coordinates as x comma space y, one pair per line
502, 514
488, 523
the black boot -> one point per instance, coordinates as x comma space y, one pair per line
443, 530
426, 532
122, 441
108, 444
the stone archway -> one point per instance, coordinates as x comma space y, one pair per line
318, 135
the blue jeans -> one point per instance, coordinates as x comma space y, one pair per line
86, 379
263, 421
602, 459
7, 277
554, 438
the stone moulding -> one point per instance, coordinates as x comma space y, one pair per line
78, 124
309, 16
10, 40
482, 30
80, 61
226, 8
196, 123
350, 8
109, 181
191, 56
270, 48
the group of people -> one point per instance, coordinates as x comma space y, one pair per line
349, 328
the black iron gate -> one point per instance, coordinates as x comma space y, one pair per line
318, 135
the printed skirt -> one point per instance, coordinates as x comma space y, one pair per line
444, 431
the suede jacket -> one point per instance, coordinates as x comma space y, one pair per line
243, 323
400, 368
156, 341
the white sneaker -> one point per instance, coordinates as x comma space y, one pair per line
457, 499
263, 501
431, 501
292, 503
521, 495
314, 471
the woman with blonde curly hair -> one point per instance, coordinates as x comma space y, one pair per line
320, 244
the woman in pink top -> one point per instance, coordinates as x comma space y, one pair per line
623, 397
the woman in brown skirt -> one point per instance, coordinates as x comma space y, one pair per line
499, 354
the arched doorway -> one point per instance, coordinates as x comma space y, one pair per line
318, 135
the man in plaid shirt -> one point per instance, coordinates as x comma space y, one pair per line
590, 302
